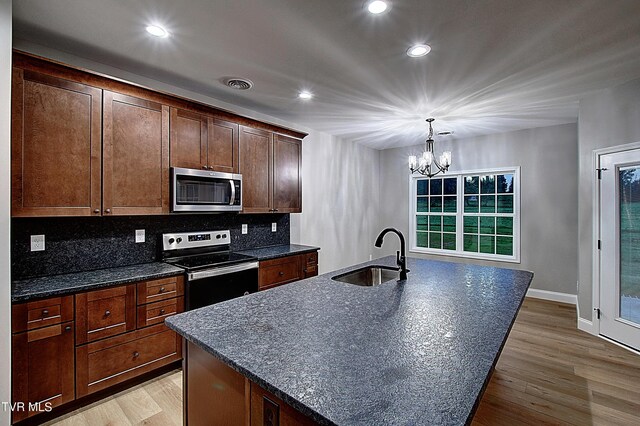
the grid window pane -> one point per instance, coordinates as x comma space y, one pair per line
471, 204
422, 239
504, 184
421, 222
449, 223
471, 243
471, 224
435, 203
488, 225
504, 246
436, 186
488, 184
450, 186
423, 187
435, 240
504, 225
505, 203
488, 204
487, 244
449, 241
435, 223
423, 204
471, 184
450, 205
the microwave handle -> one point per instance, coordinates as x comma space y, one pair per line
233, 192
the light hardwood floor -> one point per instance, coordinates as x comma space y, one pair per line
549, 373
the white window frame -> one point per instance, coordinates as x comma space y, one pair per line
413, 247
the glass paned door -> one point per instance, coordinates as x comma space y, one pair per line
629, 199
620, 247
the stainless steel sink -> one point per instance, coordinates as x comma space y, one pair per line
369, 276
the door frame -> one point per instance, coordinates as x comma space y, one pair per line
596, 257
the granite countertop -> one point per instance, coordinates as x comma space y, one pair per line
58, 285
413, 352
273, 252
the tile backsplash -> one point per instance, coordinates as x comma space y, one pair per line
88, 243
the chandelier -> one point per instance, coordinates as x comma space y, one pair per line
425, 164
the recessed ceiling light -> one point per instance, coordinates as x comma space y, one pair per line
418, 50
157, 31
378, 6
305, 95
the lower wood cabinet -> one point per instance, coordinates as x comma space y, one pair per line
283, 270
115, 334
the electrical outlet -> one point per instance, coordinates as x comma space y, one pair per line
274, 227
370, 256
37, 243
140, 238
244, 228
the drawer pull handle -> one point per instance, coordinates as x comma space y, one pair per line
96, 211
107, 313
107, 211
161, 311
45, 312
281, 273
161, 290
67, 328
136, 354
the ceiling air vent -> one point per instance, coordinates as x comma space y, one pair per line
238, 83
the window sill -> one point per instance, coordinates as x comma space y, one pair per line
465, 255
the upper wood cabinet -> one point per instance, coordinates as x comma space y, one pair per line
271, 168
199, 141
135, 156
56, 146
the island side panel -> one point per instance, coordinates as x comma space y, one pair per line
215, 394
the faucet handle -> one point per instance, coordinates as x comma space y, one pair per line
398, 257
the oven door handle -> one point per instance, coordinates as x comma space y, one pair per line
214, 272
233, 192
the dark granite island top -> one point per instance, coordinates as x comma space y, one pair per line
413, 353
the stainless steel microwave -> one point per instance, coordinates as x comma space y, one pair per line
205, 191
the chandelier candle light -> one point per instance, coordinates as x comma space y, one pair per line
424, 164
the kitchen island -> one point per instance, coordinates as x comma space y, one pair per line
419, 351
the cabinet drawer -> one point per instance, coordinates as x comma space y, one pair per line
155, 290
105, 313
111, 361
310, 259
310, 271
156, 312
278, 271
41, 313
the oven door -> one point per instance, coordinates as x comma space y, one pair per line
215, 285
205, 191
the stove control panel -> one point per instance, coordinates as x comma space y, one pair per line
186, 240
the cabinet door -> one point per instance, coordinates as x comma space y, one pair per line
105, 313
135, 156
256, 170
43, 368
188, 139
287, 174
56, 146
223, 146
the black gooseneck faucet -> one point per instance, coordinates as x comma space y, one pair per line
401, 258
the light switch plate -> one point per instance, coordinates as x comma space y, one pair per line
140, 237
37, 243
274, 227
244, 228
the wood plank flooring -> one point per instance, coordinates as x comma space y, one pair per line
549, 373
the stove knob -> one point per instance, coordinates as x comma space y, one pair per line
218, 237
224, 235
171, 241
178, 240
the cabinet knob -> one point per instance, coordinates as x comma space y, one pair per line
275, 210
67, 328
136, 354
161, 290
161, 311
246, 293
281, 273
107, 211
305, 270
97, 211
107, 313
45, 312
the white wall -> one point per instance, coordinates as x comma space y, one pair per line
339, 202
340, 178
607, 118
5, 203
548, 160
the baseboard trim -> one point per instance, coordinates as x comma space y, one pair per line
554, 296
587, 326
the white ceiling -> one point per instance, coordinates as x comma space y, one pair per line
495, 65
